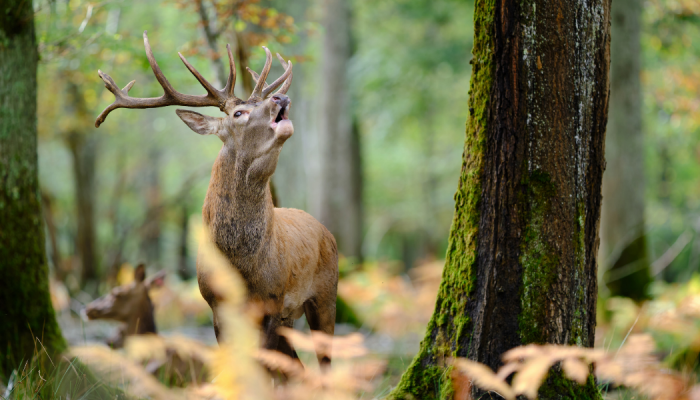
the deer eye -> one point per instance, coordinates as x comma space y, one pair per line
237, 114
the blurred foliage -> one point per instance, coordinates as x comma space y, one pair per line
671, 87
412, 142
410, 78
672, 318
411, 69
76, 38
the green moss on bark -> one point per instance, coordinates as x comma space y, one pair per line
558, 386
539, 261
426, 378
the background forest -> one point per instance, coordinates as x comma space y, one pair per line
382, 179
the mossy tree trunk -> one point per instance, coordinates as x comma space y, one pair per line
522, 254
623, 244
25, 306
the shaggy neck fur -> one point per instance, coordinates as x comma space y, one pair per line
239, 210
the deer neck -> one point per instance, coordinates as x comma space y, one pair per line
239, 209
143, 321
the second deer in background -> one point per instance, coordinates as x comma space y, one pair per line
288, 260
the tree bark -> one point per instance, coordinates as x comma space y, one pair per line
25, 306
521, 261
339, 203
623, 243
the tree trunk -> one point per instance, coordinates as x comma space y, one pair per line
623, 242
339, 205
83, 149
522, 254
243, 58
151, 229
184, 270
25, 306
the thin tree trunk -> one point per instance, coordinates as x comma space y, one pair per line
339, 209
184, 269
522, 255
151, 230
622, 239
83, 148
243, 58
25, 306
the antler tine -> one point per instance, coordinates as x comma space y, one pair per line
170, 97
288, 82
213, 92
169, 91
281, 79
231, 83
257, 91
256, 77
119, 96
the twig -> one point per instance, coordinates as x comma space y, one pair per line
667, 258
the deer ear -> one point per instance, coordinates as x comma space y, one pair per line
140, 273
156, 280
202, 124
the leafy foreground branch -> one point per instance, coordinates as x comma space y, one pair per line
633, 366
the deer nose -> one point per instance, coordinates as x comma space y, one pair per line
281, 99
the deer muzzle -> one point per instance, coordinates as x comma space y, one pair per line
281, 124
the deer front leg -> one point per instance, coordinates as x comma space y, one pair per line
271, 338
283, 346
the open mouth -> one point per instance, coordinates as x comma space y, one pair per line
282, 114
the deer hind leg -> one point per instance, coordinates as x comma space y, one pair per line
271, 340
321, 317
270, 337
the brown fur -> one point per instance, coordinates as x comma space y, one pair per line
288, 260
129, 304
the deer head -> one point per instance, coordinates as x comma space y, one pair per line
129, 303
253, 130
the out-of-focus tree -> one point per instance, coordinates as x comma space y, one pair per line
623, 240
25, 305
338, 196
411, 57
72, 43
671, 120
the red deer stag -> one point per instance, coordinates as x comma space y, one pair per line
288, 260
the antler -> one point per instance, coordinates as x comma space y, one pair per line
262, 89
170, 97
